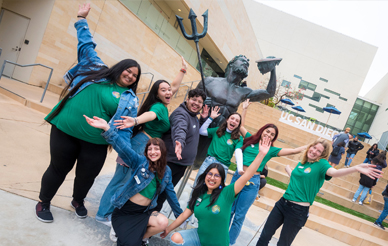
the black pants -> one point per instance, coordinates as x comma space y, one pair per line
177, 172
65, 150
263, 182
291, 215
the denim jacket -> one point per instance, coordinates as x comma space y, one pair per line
141, 176
89, 60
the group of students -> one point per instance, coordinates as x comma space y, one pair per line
99, 108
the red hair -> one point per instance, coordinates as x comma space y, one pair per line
256, 138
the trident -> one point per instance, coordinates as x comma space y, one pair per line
195, 35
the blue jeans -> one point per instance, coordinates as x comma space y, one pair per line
383, 214
364, 193
190, 238
349, 159
241, 205
291, 215
121, 176
367, 160
206, 163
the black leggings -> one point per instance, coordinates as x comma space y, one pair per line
65, 150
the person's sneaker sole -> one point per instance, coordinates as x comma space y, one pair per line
81, 217
106, 222
40, 219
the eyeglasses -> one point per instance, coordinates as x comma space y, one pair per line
215, 175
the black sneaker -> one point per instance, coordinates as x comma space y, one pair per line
80, 209
379, 225
42, 212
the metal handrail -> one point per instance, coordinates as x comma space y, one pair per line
149, 86
30, 65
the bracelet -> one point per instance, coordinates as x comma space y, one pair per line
136, 122
80, 16
183, 70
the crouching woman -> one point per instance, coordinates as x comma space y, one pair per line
305, 181
132, 218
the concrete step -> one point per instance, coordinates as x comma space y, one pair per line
324, 219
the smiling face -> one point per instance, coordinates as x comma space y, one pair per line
233, 122
314, 152
153, 152
165, 93
269, 132
213, 179
128, 77
194, 104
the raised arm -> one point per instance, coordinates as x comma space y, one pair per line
128, 122
183, 217
259, 95
288, 151
264, 147
245, 106
179, 77
366, 169
214, 114
122, 147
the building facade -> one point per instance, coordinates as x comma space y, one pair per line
329, 67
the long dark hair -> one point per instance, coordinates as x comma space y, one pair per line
256, 138
201, 187
110, 74
151, 99
222, 129
160, 165
371, 148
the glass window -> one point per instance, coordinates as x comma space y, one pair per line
296, 76
316, 97
324, 80
343, 98
311, 87
374, 107
286, 83
303, 85
332, 92
325, 96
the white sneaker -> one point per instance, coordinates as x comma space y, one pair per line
353, 200
112, 235
360, 202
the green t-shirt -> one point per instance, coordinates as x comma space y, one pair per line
150, 190
161, 124
213, 222
250, 153
306, 180
99, 100
222, 148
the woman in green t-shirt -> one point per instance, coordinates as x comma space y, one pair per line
225, 139
244, 158
211, 203
152, 122
305, 181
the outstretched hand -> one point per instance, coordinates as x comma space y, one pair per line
178, 150
246, 104
164, 233
369, 170
264, 145
126, 122
214, 114
97, 122
205, 111
83, 9
184, 64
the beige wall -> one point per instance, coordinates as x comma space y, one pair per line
38, 11
120, 34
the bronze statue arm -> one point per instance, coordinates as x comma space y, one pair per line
259, 95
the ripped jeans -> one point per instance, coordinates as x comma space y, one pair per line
190, 238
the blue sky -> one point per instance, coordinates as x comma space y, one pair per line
363, 20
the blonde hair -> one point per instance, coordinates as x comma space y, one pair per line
325, 152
